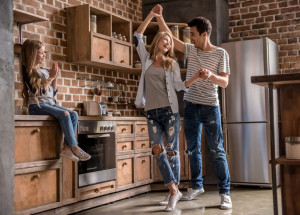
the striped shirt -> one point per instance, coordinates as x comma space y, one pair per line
204, 91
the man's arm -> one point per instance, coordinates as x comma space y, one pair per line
220, 80
178, 44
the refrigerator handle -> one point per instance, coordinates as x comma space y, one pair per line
225, 140
224, 115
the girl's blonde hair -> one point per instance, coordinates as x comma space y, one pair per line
169, 56
29, 52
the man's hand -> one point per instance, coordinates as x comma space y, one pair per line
204, 74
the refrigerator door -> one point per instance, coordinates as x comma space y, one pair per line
248, 152
243, 101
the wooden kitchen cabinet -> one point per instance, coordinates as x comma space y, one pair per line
38, 167
98, 48
134, 159
97, 190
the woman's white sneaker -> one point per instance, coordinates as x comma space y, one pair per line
173, 201
225, 202
191, 194
166, 200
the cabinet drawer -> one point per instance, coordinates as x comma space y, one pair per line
125, 170
97, 190
124, 146
122, 54
141, 129
35, 143
36, 189
101, 49
124, 128
143, 165
142, 145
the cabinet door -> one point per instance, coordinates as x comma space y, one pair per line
70, 181
36, 141
124, 129
141, 129
143, 167
142, 144
122, 54
36, 189
101, 49
125, 171
125, 145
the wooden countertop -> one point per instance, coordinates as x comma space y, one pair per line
277, 80
106, 118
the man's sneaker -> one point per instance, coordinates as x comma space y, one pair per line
225, 202
191, 194
67, 152
82, 155
166, 200
173, 201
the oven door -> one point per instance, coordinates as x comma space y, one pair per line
102, 165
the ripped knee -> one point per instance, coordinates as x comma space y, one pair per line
157, 150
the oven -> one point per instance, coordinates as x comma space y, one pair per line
98, 139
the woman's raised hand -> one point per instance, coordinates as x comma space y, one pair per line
54, 71
157, 10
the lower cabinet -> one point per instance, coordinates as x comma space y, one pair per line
37, 189
97, 190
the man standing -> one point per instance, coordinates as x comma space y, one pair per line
202, 104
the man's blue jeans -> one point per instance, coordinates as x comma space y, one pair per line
162, 121
67, 119
196, 115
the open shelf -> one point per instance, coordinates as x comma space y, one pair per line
284, 161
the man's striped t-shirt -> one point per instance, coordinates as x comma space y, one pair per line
204, 91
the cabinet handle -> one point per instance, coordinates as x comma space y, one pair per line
124, 146
101, 56
124, 164
36, 176
122, 61
37, 130
123, 130
143, 129
97, 190
143, 161
143, 145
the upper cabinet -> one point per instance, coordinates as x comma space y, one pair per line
91, 38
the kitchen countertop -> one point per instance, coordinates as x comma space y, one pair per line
106, 118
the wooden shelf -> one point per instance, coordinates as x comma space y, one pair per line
284, 161
153, 26
24, 17
138, 71
276, 80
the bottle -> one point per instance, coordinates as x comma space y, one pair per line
93, 23
145, 39
186, 35
175, 31
119, 37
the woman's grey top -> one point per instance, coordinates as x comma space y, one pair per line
156, 89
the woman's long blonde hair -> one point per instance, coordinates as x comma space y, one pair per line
169, 56
29, 52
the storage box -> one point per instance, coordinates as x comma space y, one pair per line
292, 147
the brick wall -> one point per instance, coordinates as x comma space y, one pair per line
277, 19
72, 90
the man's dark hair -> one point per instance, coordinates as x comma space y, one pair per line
202, 24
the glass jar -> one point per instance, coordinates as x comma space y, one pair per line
93, 23
124, 38
119, 37
114, 34
186, 35
175, 31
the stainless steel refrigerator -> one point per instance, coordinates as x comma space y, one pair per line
245, 112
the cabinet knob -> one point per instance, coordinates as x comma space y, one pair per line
143, 145
124, 146
143, 161
97, 190
123, 130
124, 164
36, 176
101, 56
36, 130
143, 129
122, 61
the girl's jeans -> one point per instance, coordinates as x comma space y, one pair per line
67, 119
196, 115
163, 121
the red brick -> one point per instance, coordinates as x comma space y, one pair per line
250, 3
281, 23
49, 9
67, 74
32, 3
270, 12
267, 1
75, 90
291, 59
273, 6
289, 9
62, 89
68, 104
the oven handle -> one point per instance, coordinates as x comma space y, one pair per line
97, 135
